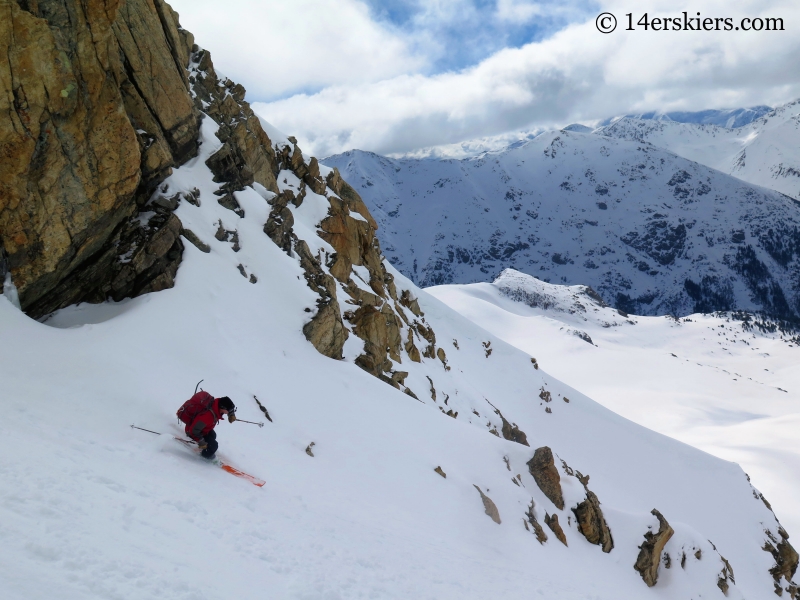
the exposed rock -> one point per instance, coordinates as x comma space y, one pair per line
555, 527
442, 473
725, 575
410, 302
543, 469
649, 558
541, 536
489, 506
592, 524
786, 557
77, 74
309, 449
433, 389
102, 99
513, 433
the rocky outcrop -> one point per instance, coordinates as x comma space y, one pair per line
357, 294
592, 523
91, 120
538, 531
543, 469
489, 507
99, 99
649, 558
552, 522
786, 561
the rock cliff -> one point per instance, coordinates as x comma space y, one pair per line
97, 104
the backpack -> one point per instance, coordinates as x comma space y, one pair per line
200, 402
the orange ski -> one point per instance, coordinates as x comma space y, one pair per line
224, 466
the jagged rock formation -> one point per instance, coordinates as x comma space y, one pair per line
786, 560
543, 469
592, 523
489, 506
649, 558
552, 522
100, 100
538, 531
91, 122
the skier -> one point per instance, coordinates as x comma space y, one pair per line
201, 413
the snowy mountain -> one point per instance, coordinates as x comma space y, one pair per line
405, 451
763, 152
488, 466
729, 118
651, 232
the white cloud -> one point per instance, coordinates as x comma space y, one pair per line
577, 74
277, 48
363, 83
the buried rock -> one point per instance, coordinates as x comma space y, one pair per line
543, 469
650, 551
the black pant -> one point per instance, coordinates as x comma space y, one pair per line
211, 439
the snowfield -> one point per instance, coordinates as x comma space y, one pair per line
90, 508
712, 381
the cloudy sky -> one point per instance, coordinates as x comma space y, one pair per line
394, 76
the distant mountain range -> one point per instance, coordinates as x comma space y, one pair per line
651, 232
730, 118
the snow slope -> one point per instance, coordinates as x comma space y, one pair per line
764, 152
716, 382
90, 508
653, 233
730, 118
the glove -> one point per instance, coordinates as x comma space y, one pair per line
202, 444
231, 417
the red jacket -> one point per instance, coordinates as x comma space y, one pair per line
204, 422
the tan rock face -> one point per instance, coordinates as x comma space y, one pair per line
649, 558
489, 506
786, 560
90, 118
543, 469
592, 524
96, 107
552, 522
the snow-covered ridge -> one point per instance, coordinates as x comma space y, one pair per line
651, 232
763, 152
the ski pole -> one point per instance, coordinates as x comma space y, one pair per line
251, 422
147, 430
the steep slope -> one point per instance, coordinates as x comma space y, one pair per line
394, 468
763, 152
725, 383
363, 507
653, 233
